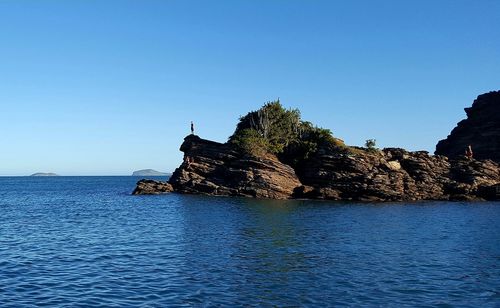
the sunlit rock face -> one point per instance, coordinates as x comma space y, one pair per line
338, 172
393, 174
396, 175
213, 168
152, 187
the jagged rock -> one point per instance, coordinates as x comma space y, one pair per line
481, 130
392, 174
151, 187
335, 171
395, 175
213, 168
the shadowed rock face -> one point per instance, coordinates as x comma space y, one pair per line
213, 168
481, 130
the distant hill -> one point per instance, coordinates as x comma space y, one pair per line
44, 174
149, 172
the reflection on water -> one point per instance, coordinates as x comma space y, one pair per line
86, 241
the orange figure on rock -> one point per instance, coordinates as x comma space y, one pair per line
468, 152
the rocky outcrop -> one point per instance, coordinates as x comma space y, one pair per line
392, 174
481, 130
151, 187
325, 168
213, 168
395, 175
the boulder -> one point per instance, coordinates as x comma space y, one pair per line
152, 187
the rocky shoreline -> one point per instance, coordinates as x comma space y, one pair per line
212, 168
331, 173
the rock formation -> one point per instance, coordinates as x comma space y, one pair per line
152, 187
325, 168
217, 169
395, 175
212, 168
481, 130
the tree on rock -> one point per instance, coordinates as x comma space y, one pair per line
276, 130
276, 125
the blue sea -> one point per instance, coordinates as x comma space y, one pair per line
85, 241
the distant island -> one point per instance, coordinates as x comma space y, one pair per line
149, 172
274, 154
44, 174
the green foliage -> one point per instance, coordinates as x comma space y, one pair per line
317, 134
277, 125
251, 142
274, 129
310, 139
371, 144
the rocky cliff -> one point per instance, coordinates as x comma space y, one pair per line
481, 130
396, 175
213, 168
218, 169
274, 154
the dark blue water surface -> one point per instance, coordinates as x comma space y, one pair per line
85, 241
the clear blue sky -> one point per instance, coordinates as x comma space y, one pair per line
107, 87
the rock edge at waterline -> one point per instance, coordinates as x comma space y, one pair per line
393, 174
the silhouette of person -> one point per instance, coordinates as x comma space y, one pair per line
192, 128
468, 152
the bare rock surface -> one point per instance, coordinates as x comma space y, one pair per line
392, 174
152, 187
335, 171
213, 168
396, 175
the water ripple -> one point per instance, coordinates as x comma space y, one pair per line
79, 242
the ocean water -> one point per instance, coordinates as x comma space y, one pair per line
85, 241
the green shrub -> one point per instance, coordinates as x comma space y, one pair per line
311, 138
250, 142
274, 129
277, 125
371, 144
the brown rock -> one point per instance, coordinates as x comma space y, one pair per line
213, 168
393, 174
366, 176
151, 187
345, 173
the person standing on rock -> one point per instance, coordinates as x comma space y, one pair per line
468, 152
187, 160
192, 128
